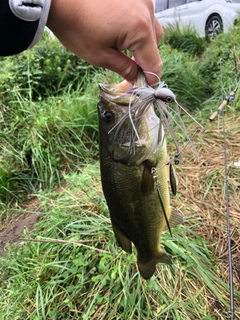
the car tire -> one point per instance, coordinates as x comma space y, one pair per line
213, 27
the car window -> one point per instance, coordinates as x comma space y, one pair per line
175, 3
161, 5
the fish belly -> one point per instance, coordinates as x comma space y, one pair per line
135, 210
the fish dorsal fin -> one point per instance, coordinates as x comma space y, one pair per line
173, 179
174, 220
122, 240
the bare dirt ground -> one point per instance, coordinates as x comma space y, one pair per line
14, 229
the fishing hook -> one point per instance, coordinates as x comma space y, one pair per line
175, 160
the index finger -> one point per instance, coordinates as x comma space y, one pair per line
148, 56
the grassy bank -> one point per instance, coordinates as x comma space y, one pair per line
69, 267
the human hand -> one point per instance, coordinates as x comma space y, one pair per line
98, 32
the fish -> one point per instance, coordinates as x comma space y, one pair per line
136, 170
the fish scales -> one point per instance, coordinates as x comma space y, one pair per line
136, 213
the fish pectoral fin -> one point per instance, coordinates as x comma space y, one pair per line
147, 182
147, 268
174, 220
122, 240
173, 179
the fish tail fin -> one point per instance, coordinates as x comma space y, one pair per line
147, 268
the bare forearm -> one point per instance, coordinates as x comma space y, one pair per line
96, 31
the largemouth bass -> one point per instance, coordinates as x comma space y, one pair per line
135, 172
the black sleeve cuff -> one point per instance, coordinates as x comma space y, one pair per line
22, 23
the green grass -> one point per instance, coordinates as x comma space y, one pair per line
72, 269
41, 140
184, 39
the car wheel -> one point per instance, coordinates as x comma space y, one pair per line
214, 26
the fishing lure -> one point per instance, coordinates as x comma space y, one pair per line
162, 98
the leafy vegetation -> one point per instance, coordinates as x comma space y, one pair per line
73, 267
182, 74
184, 39
203, 77
69, 267
40, 140
220, 62
43, 71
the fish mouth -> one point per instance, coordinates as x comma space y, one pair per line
119, 93
137, 101
139, 126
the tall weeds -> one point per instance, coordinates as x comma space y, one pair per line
69, 266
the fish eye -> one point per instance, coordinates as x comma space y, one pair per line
107, 115
168, 99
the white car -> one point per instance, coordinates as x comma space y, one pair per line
207, 17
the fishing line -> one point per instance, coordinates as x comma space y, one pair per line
155, 178
175, 160
221, 112
160, 98
131, 120
178, 104
162, 95
231, 312
153, 171
153, 74
162, 91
